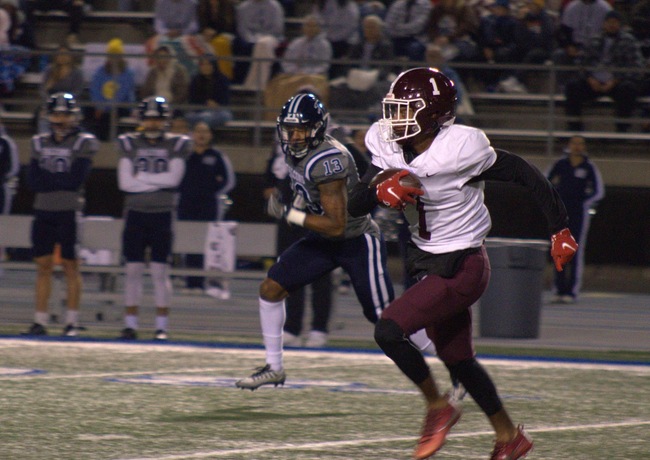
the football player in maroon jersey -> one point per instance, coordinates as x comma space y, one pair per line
449, 222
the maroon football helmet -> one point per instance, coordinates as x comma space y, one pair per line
420, 100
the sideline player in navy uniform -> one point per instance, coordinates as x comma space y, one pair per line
577, 179
448, 224
60, 163
151, 167
322, 171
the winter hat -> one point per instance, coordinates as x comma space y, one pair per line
115, 46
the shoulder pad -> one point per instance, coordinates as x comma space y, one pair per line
329, 163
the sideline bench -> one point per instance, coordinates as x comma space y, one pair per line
254, 241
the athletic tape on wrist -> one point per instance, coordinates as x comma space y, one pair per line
296, 217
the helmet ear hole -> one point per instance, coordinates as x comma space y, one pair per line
306, 111
425, 101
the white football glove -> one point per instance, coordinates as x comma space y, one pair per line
273, 206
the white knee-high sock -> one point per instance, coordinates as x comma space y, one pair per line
133, 284
162, 284
423, 342
272, 317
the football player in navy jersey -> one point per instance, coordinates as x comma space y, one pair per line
60, 164
322, 171
449, 222
151, 167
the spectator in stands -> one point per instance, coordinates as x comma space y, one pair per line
365, 83
112, 82
612, 53
406, 22
217, 25
496, 41
149, 182
20, 32
211, 89
309, 53
173, 18
534, 37
577, 179
166, 78
60, 164
640, 24
14, 58
340, 20
216, 17
208, 178
580, 21
260, 31
62, 75
374, 46
453, 25
435, 57
73, 8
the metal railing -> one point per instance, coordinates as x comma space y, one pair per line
537, 114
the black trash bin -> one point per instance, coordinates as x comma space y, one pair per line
511, 304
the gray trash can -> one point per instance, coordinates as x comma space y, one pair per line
511, 304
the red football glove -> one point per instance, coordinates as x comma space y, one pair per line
395, 195
563, 248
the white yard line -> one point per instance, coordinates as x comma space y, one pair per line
287, 447
359, 358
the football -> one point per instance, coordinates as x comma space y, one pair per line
407, 181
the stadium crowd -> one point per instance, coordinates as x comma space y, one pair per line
338, 50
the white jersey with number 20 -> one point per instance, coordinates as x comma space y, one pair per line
451, 215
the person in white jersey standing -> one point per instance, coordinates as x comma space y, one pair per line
448, 223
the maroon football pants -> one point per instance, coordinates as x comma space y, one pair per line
442, 307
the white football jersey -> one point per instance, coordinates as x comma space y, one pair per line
451, 215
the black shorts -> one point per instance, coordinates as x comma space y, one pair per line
51, 227
144, 230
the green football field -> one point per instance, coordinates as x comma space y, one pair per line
106, 400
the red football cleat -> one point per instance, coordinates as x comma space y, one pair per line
437, 424
517, 448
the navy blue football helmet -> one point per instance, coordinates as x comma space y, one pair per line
153, 107
63, 113
62, 103
301, 125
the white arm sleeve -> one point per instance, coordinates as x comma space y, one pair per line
127, 182
171, 178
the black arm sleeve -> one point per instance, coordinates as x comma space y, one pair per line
512, 168
363, 199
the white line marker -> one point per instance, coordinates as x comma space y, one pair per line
359, 442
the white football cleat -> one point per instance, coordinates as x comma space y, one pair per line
262, 376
